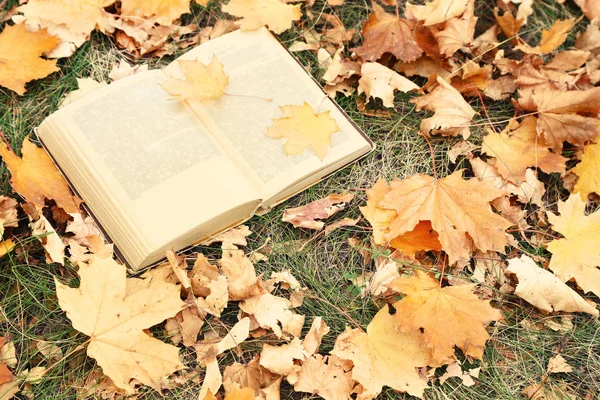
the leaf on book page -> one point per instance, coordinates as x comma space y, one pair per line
35, 177
20, 53
163, 11
306, 216
304, 128
115, 317
273, 14
202, 82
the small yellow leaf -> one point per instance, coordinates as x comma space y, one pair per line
588, 171
304, 129
273, 14
20, 53
551, 38
165, 11
202, 82
36, 178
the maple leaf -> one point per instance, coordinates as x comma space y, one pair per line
240, 273
312, 340
551, 38
326, 377
163, 11
202, 82
453, 114
275, 313
387, 33
306, 216
280, 359
304, 129
421, 238
78, 16
455, 207
252, 375
577, 255
457, 33
384, 356
35, 177
448, 317
588, 171
436, 11
544, 290
20, 60
517, 148
273, 14
379, 81
115, 318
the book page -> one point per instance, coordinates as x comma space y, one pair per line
151, 157
260, 68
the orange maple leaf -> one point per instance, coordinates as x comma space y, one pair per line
387, 33
448, 317
36, 178
459, 211
20, 60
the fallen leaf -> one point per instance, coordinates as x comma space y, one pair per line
462, 148
558, 364
280, 359
6, 246
273, 14
304, 128
457, 33
20, 52
162, 11
454, 370
453, 114
86, 86
6, 375
240, 273
35, 177
380, 81
51, 352
202, 82
306, 216
312, 340
588, 171
577, 255
387, 33
8, 213
551, 38
384, 356
377, 285
421, 238
252, 375
115, 321
544, 290
123, 70
236, 236
275, 313
212, 378
517, 148
436, 11
52, 243
546, 391
448, 317
443, 202
325, 377
217, 299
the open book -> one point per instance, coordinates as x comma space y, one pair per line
160, 174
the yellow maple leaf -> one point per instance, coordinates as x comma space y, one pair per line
78, 16
20, 60
384, 356
36, 178
165, 11
459, 211
274, 14
588, 171
453, 114
202, 82
551, 38
449, 316
436, 11
324, 376
114, 318
517, 148
577, 255
304, 129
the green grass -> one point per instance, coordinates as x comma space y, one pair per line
521, 346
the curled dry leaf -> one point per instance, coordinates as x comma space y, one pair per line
35, 177
437, 11
240, 273
53, 245
306, 216
312, 340
20, 52
465, 316
577, 255
273, 14
454, 206
162, 11
202, 82
380, 81
453, 114
236, 236
304, 128
387, 33
8, 213
517, 148
384, 356
115, 320
588, 171
544, 290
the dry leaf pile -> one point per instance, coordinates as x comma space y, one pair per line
428, 228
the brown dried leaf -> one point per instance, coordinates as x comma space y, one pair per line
306, 216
